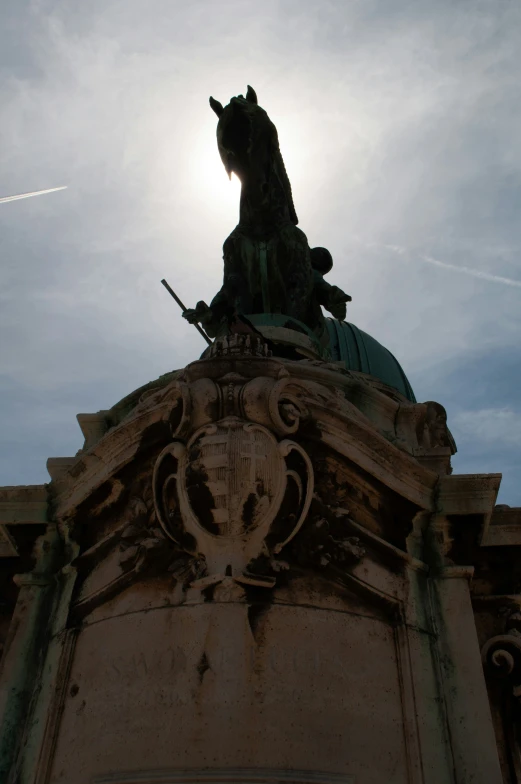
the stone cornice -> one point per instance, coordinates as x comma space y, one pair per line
469, 494
20, 505
503, 528
392, 467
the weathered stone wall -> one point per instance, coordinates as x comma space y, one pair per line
225, 684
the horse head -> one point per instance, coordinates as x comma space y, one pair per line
249, 146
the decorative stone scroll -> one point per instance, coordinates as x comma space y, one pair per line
502, 657
501, 654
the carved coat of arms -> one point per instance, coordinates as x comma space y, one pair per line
232, 493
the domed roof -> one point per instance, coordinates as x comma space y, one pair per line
364, 354
358, 350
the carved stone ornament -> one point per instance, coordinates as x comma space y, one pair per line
317, 546
231, 494
501, 654
140, 538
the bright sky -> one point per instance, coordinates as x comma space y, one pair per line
400, 127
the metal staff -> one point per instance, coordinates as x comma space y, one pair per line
174, 295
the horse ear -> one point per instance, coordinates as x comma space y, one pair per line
251, 95
216, 106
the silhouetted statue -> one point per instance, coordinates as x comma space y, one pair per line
268, 265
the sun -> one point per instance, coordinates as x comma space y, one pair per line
209, 178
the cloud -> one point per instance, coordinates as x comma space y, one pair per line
399, 125
489, 426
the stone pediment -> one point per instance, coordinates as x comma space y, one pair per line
242, 462
315, 399
153, 494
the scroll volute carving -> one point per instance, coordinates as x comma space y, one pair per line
501, 657
219, 495
179, 417
166, 497
501, 654
273, 404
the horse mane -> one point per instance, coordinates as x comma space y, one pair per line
285, 181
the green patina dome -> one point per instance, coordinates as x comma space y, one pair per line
364, 354
358, 350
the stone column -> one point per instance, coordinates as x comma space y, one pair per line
433, 739
469, 721
40, 733
24, 647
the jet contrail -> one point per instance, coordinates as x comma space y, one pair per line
475, 273
33, 193
404, 252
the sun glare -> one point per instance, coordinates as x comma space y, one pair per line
211, 182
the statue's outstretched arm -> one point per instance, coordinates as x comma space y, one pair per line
332, 298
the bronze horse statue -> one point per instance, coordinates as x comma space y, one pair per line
268, 265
